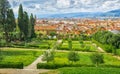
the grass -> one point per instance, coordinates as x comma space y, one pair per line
88, 46
19, 55
64, 46
42, 44
118, 52
84, 70
61, 57
88, 70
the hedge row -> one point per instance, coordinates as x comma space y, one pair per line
105, 47
12, 65
56, 65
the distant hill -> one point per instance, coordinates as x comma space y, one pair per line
113, 13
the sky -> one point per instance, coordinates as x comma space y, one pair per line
40, 7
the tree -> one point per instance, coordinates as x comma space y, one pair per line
20, 21
53, 34
25, 25
73, 56
48, 56
10, 25
97, 58
70, 44
31, 27
4, 6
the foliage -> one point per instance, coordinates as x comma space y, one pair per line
2, 43
58, 65
53, 34
106, 37
48, 56
7, 19
21, 21
70, 44
16, 55
11, 65
88, 70
97, 58
25, 25
31, 26
73, 56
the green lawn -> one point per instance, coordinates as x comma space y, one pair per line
88, 46
14, 55
88, 70
118, 52
42, 44
61, 57
64, 46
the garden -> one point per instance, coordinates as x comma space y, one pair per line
78, 46
61, 60
17, 57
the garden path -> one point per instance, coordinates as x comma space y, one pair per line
38, 60
34, 64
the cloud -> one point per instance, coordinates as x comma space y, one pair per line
65, 6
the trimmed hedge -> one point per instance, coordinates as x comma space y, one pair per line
105, 47
12, 65
56, 65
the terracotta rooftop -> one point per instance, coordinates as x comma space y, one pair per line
45, 27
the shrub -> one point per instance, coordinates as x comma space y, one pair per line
97, 58
87, 48
73, 56
82, 45
11, 65
59, 65
70, 44
48, 56
2, 42
49, 66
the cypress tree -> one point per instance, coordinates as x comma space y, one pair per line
20, 21
4, 6
31, 26
10, 25
25, 25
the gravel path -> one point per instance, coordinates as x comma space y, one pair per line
100, 49
34, 64
22, 71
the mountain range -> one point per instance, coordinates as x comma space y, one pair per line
112, 13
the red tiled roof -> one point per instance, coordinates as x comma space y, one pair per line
45, 27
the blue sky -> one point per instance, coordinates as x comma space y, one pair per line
40, 7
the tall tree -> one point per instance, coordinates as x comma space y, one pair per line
4, 6
25, 25
31, 26
20, 20
10, 25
